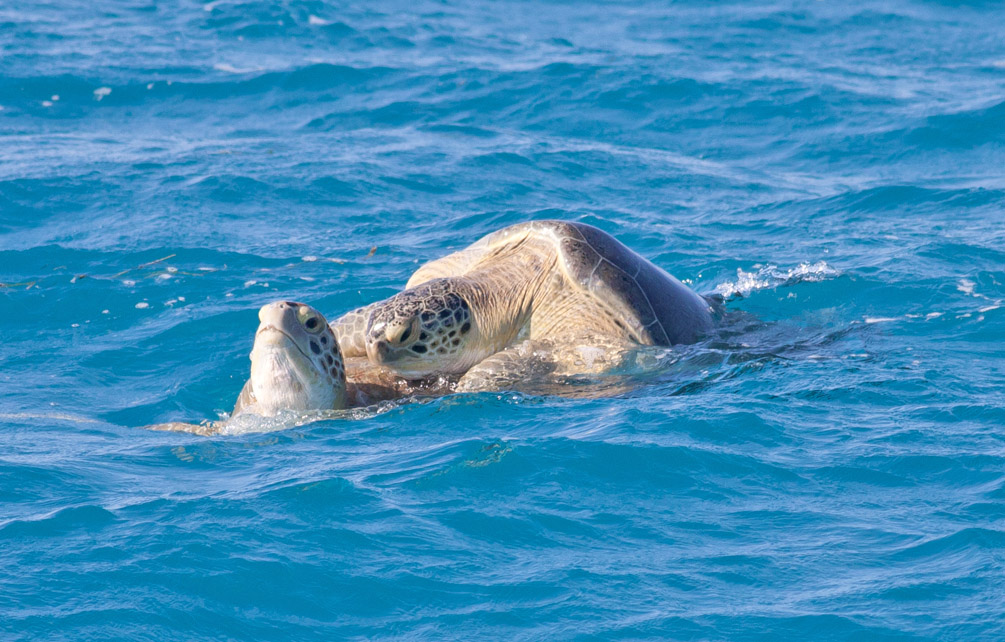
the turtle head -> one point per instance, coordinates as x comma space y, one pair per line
296, 363
422, 330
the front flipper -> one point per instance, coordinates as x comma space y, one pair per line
542, 366
510, 369
245, 399
350, 330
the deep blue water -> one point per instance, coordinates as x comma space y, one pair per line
829, 466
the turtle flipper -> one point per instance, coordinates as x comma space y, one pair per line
512, 368
350, 330
245, 399
541, 365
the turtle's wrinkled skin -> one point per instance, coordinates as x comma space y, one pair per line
545, 296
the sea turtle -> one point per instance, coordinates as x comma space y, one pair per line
297, 367
544, 297
296, 363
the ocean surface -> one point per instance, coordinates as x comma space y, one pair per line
829, 465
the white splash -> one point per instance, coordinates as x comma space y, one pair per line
746, 282
771, 276
590, 355
319, 22
101, 92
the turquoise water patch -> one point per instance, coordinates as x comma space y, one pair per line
828, 466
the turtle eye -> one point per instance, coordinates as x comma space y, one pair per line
406, 332
310, 318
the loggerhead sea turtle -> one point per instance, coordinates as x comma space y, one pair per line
544, 297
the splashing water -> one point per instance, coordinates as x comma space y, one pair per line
771, 276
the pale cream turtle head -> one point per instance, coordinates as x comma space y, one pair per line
296, 363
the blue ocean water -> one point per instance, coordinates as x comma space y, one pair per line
829, 466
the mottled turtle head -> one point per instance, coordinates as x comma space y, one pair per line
423, 330
296, 363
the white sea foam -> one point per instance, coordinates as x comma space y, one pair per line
745, 283
771, 276
231, 69
101, 92
250, 423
